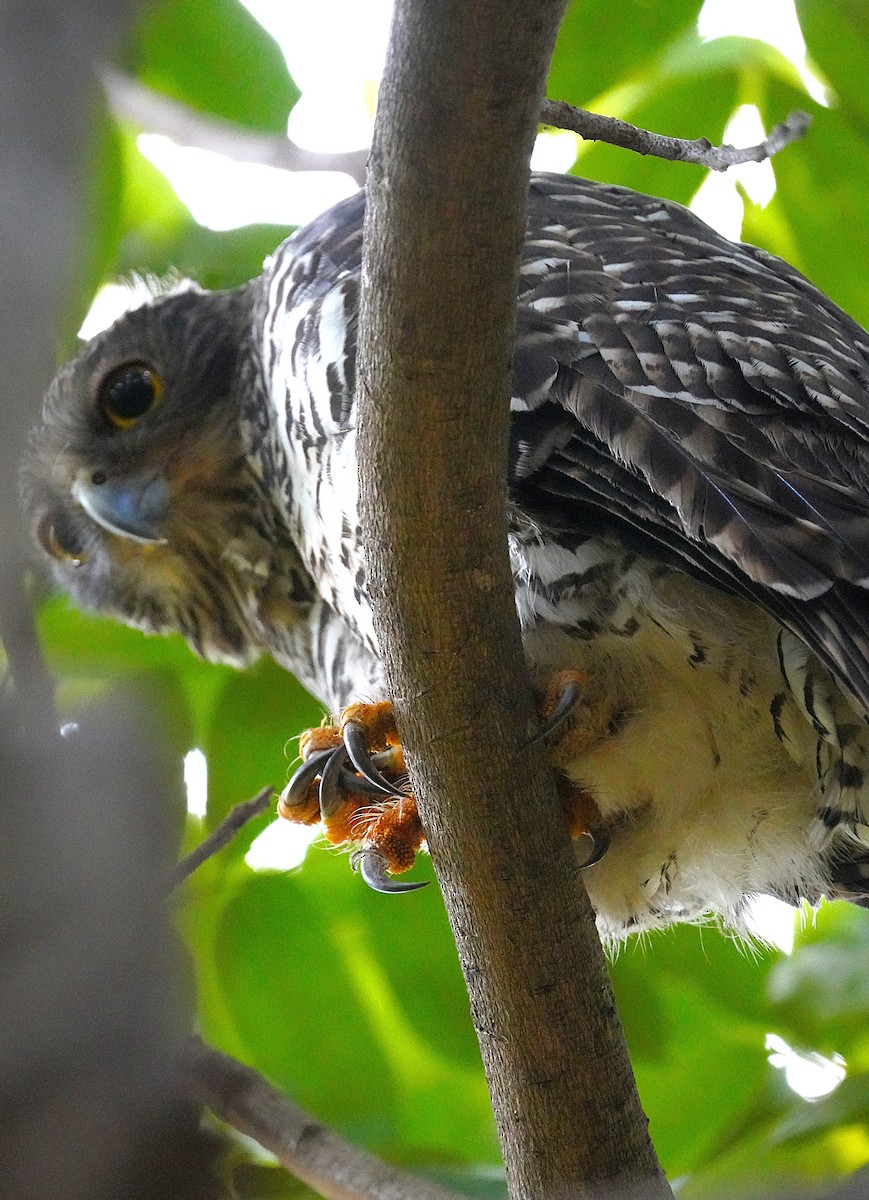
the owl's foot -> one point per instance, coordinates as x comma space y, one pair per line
353, 781
584, 822
557, 706
557, 701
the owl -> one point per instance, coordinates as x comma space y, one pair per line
688, 522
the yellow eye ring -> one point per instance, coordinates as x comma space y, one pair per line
128, 392
62, 544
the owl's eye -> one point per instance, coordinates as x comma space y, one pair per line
59, 539
127, 393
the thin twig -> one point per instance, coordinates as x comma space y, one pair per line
335, 1169
132, 100
595, 127
221, 836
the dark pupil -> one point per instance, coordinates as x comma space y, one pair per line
131, 395
67, 537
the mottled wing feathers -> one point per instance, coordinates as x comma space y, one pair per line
717, 403
695, 397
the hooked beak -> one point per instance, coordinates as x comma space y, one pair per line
131, 506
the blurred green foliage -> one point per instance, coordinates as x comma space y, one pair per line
352, 1001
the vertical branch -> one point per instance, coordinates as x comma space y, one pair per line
446, 198
89, 996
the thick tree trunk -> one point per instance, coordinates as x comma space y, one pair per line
446, 198
88, 980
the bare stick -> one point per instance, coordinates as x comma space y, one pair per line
222, 835
160, 114
334, 1168
132, 100
596, 128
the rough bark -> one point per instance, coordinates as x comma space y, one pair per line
700, 151
446, 194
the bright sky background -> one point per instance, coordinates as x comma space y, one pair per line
334, 51
811, 1075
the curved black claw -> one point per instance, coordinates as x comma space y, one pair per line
330, 781
295, 791
591, 847
374, 869
351, 782
354, 741
568, 698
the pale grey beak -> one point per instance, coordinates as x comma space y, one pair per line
132, 506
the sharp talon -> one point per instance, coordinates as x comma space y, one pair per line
330, 781
374, 869
568, 698
351, 782
296, 790
354, 742
590, 849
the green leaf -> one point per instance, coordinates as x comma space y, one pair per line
600, 44
769, 228
688, 107
847, 1105
215, 260
159, 231
215, 57
822, 174
152, 215
837, 39
415, 951
252, 738
756, 61
309, 1003
79, 643
87, 653
695, 1017
255, 1181
293, 1007
821, 993
757, 1169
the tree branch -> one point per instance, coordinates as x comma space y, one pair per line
132, 100
88, 987
221, 835
310, 1151
595, 127
446, 197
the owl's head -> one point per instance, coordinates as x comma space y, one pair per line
136, 482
